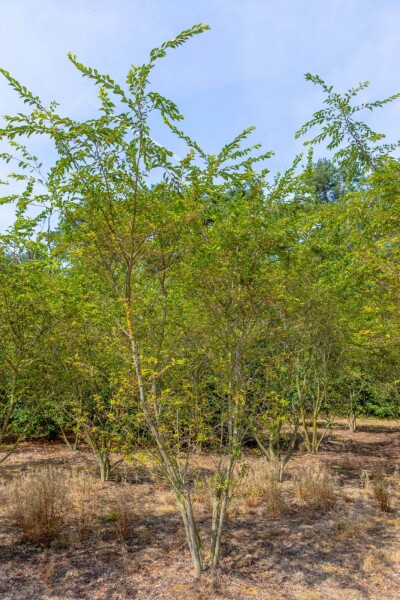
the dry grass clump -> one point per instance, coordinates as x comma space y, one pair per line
255, 486
351, 527
51, 503
124, 512
316, 485
38, 503
365, 479
259, 486
380, 487
382, 495
252, 483
43, 502
84, 503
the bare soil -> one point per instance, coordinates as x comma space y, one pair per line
350, 552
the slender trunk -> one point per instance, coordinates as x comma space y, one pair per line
224, 480
8, 413
352, 416
192, 533
352, 422
290, 450
307, 439
282, 456
105, 467
282, 464
100, 451
220, 504
16, 443
170, 469
314, 439
66, 440
219, 527
317, 408
76, 442
13, 447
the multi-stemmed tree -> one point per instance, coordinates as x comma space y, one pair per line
188, 300
128, 229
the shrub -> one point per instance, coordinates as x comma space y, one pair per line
274, 496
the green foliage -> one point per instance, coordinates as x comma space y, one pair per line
356, 146
205, 308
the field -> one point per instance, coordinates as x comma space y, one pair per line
324, 534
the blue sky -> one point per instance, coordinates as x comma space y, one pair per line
248, 70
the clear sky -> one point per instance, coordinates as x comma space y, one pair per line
248, 70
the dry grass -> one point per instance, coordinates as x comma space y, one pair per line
382, 488
124, 513
38, 504
258, 487
84, 503
351, 527
316, 486
42, 503
351, 552
252, 485
382, 494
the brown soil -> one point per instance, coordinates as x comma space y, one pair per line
350, 552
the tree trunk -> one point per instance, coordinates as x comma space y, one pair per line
218, 520
352, 422
192, 533
171, 470
220, 505
352, 415
105, 467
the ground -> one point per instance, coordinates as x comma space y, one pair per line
351, 551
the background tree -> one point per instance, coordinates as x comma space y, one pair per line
26, 319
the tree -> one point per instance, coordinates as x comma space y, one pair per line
26, 319
89, 371
189, 303
327, 181
127, 234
